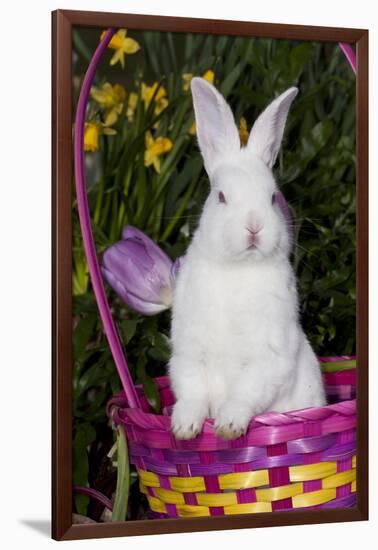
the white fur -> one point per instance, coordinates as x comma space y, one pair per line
238, 348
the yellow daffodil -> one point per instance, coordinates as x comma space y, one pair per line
161, 105
108, 96
131, 106
92, 132
154, 149
161, 100
187, 77
123, 45
209, 76
111, 99
243, 131
148, 92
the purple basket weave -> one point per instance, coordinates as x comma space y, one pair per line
300, 459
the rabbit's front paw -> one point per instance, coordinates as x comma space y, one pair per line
232, 420
187, 419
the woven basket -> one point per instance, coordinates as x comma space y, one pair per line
300, 459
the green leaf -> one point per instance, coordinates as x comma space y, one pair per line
152, 393
161, 350
300, 56
84, 436
82, 335
94, 376
229, 82
317, 139
80, 46
123, 477
128, 329
251, 97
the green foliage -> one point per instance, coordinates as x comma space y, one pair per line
316, 171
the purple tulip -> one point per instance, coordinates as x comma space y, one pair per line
139, 272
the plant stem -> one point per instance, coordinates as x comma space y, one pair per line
123, 478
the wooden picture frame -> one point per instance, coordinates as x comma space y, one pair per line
62, 167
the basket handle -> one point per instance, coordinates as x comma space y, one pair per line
86, 228
349, 54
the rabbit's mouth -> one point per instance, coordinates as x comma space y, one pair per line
253, 237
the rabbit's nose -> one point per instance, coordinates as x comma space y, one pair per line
254, 229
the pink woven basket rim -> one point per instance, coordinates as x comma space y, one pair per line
163, 422
270, 426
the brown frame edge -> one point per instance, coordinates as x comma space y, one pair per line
62, 23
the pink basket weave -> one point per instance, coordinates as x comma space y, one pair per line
285, 461
300, 459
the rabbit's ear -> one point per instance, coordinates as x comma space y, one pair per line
215, 125
266, 134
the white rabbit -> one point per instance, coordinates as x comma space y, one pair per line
238, 348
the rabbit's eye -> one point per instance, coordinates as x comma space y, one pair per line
221, 197
274, 198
